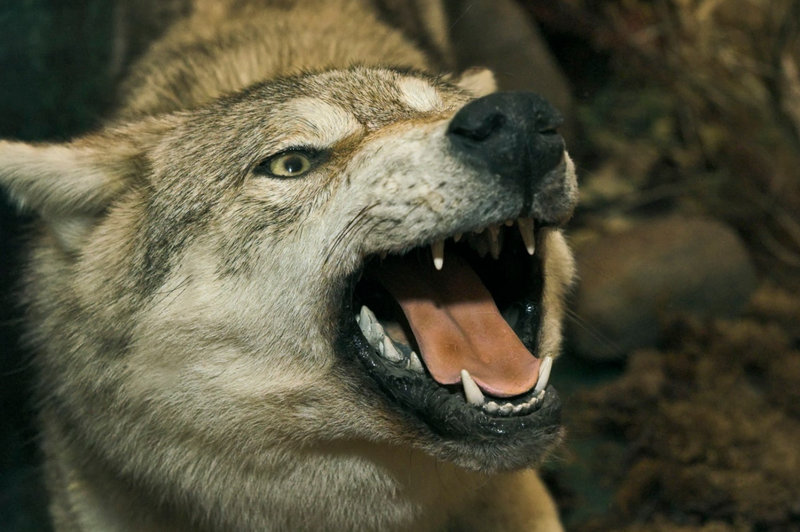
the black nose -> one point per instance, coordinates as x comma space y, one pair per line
512, 133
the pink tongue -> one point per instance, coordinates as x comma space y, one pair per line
457, 326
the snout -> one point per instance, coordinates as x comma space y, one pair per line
513, 135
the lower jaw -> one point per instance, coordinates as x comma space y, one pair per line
440, 422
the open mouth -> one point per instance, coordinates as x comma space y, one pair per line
450, 329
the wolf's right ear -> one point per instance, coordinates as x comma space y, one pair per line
477, 81
69, 185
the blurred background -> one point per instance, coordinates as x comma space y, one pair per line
681, 374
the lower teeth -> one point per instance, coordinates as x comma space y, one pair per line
506, 409
386, 348
383, 344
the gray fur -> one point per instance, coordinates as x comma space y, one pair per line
180, 303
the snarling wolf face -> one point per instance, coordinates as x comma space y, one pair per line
358, 255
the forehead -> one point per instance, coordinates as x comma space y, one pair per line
372, 97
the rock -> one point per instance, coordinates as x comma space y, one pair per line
630, 281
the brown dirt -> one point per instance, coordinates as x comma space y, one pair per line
711, 425
699, 113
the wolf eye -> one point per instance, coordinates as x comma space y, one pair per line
287, 164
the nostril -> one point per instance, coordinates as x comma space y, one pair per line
548, 125
482, 130
514, 135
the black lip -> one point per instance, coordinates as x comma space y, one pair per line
444, 412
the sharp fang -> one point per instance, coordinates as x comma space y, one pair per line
526, 230
457, 237
471, 390
414, 363
544, 374
388, 350
494, 241
437, 249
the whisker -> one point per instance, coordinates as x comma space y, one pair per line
593, 331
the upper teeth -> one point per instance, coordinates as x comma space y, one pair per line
526, 230
437, 250
494, 241
488, 240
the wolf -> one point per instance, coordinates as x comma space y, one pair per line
303, 278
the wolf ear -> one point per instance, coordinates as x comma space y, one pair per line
477, 81
58, 179
69, 185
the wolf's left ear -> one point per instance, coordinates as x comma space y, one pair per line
477, 81
69, 185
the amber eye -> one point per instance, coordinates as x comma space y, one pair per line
289, 164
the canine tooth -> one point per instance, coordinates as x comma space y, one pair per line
508, 223
437, 249
457, 237
526, 230
544, 374
388, 350
414, 363
471, 390
494, 241
491, 406
480, 245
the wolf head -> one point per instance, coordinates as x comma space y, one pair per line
317, 259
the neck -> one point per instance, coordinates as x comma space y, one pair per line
394, 488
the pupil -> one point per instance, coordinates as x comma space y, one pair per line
293, 164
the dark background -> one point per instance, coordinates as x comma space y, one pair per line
54, 84
687, 138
